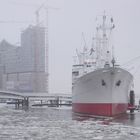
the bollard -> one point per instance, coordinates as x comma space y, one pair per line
132, 102
25, 103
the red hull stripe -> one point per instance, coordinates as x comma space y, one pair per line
105, 109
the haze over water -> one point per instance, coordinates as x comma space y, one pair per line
66, 25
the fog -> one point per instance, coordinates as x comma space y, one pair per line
66, 24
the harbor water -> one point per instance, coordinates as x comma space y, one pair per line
50, 123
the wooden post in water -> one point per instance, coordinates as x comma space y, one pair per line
25, 103
57, 101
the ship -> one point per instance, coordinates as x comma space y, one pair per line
100, 87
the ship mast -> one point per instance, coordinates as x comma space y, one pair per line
103, 39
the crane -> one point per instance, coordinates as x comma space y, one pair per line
37, 13
46, 8
43, 6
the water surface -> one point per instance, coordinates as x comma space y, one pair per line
43, 123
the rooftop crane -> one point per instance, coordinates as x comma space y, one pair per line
46, 8
37, 13
43, 6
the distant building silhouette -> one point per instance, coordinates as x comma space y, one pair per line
22, 68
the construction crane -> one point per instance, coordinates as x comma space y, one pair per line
46, 8
37, 13
43, 6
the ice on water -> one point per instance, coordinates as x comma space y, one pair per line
55, 124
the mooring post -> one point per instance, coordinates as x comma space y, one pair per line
57, 101
60, 102
132, 101
41, 102
16, 104
25, 102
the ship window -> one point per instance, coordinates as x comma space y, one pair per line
75, 73
118, 83
103, 83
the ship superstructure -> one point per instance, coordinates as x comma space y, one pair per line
99, 86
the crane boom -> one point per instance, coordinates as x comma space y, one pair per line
37, 13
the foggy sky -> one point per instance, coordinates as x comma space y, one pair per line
66, 25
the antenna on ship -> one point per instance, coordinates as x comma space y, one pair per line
85, 44
113, 58
103, 34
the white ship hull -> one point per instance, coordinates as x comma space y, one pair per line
103, 92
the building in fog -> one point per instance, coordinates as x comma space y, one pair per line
23, 68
